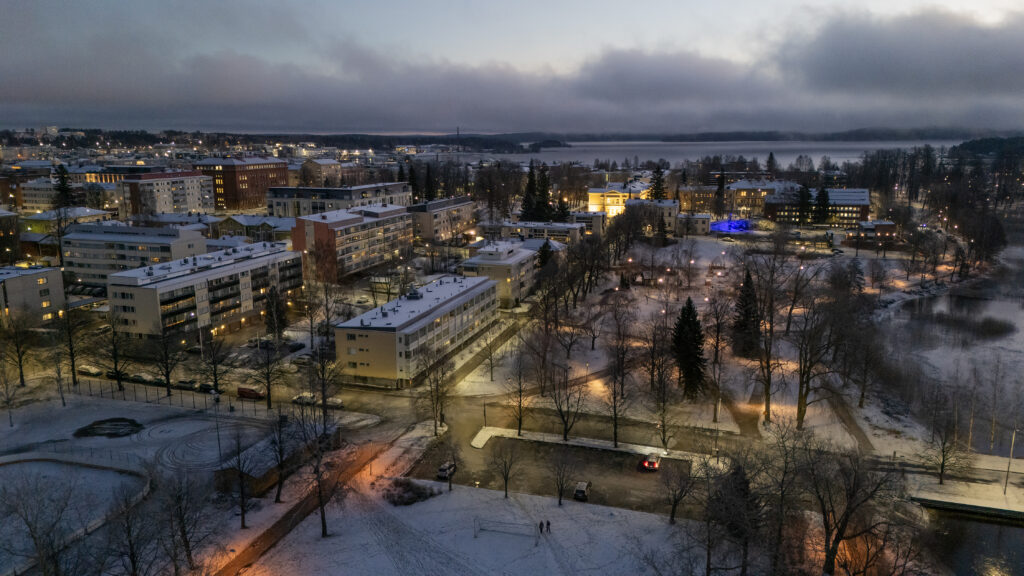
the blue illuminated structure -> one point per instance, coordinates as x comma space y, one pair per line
731, 226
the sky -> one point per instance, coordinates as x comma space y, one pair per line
557, 65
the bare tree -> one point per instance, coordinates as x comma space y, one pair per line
945, 452
69, 328
452, 453
568, 395
780, 484
269, 370
54, 354
675, 478
619, 347
185, 523
165, 351
437, 370
132, 536
45, 523
213, 365
517, 398
324, 378
592, 323
8, 386
717, 316
504, 462
799, 281
490, 349
563, 469
282, 441
112, 350
769, 275
22, 339
317, 439
569, 333
814, 343
847, 495
243, 464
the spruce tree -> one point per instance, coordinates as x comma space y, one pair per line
773, 164
429, 185
821, 206
544, 254
661, 233
804, 205
401, 173
562, 212
414, 184
718, 202
658, 184
543, 206
528, 210
688, 344
63, 196
745, 326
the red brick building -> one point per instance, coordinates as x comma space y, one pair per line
240, 184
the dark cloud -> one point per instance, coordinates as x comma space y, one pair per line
926, 69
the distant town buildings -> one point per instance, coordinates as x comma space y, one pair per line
220, 291
294, 202
847, 207
166, 192
389, 344
241, 184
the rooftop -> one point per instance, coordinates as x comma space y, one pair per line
440, 204
187, 268
239, 161
420, 305
8, 272
345, 217
549, 225
501, 253
74, 212
133, 234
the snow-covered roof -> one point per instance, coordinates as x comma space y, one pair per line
406, 313
701, 215
74, 212
776, 185
196, 268
240, 161
133, 234
495, 253
8, 272
663, 203
275, 222
348, 216
545, 225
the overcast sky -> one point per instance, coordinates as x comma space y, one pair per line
429, 66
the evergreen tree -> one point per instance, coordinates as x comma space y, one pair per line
562, 212
661, 233
718, 202
543, 206
401, 173
544, 254
822, 209
63, 196
429, 185
856, 273
528, 210
773, 164
414, 184
658, 184
688, 345
746, 327
804, 205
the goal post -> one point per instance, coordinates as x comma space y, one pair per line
526, 529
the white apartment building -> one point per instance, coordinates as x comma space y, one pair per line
36, 291
565, 232
289, 202
37, 195
165, 192
94, 251
692, 224
220, 291
384, 344
361, 238
512, 266
443, 220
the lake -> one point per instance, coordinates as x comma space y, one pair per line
675, 152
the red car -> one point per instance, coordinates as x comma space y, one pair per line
650, 463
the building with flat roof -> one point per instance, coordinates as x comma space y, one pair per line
692, 224
219, 291
257, 228
565, 232
292, 202
320, 172
241, 184
748, 197
512, 266
8, 237
47, 222
386, 344
360, 238
847, 206
36, 291
94, 251
443, 220
165, 192
594, 222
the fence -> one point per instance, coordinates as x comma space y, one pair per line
225, 404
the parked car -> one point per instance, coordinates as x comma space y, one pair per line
301, 359
304, 399
362, 300
141, 378
336, 403
727, 239
205, 388
251, 392
87, 370
194, 349
295, 346
582, 492
446, 470
650, 463
112, 375
185, 385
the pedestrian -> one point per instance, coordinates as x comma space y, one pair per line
541, 526
549, 526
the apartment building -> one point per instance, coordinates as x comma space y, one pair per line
847, 207
320, 172
360, 238
665, 210
94, 251
512, 266
35, 290
594, 222
612, 200
443, 220
165, 192
8, 236
241, 184
386, 344
565, 232
220, 291
692, 224
37, 195
292, 202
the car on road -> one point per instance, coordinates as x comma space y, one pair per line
304, 399
301, 359
582, 492
194, 349
295, 346
837, 251
446, 470
140, 378
362, 300
185, 385
650, 463
205, 388
727, 239
251, 392
87, 370
112, 375
336, 403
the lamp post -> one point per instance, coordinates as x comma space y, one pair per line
1009, 462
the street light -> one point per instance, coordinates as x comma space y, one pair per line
1009, 461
